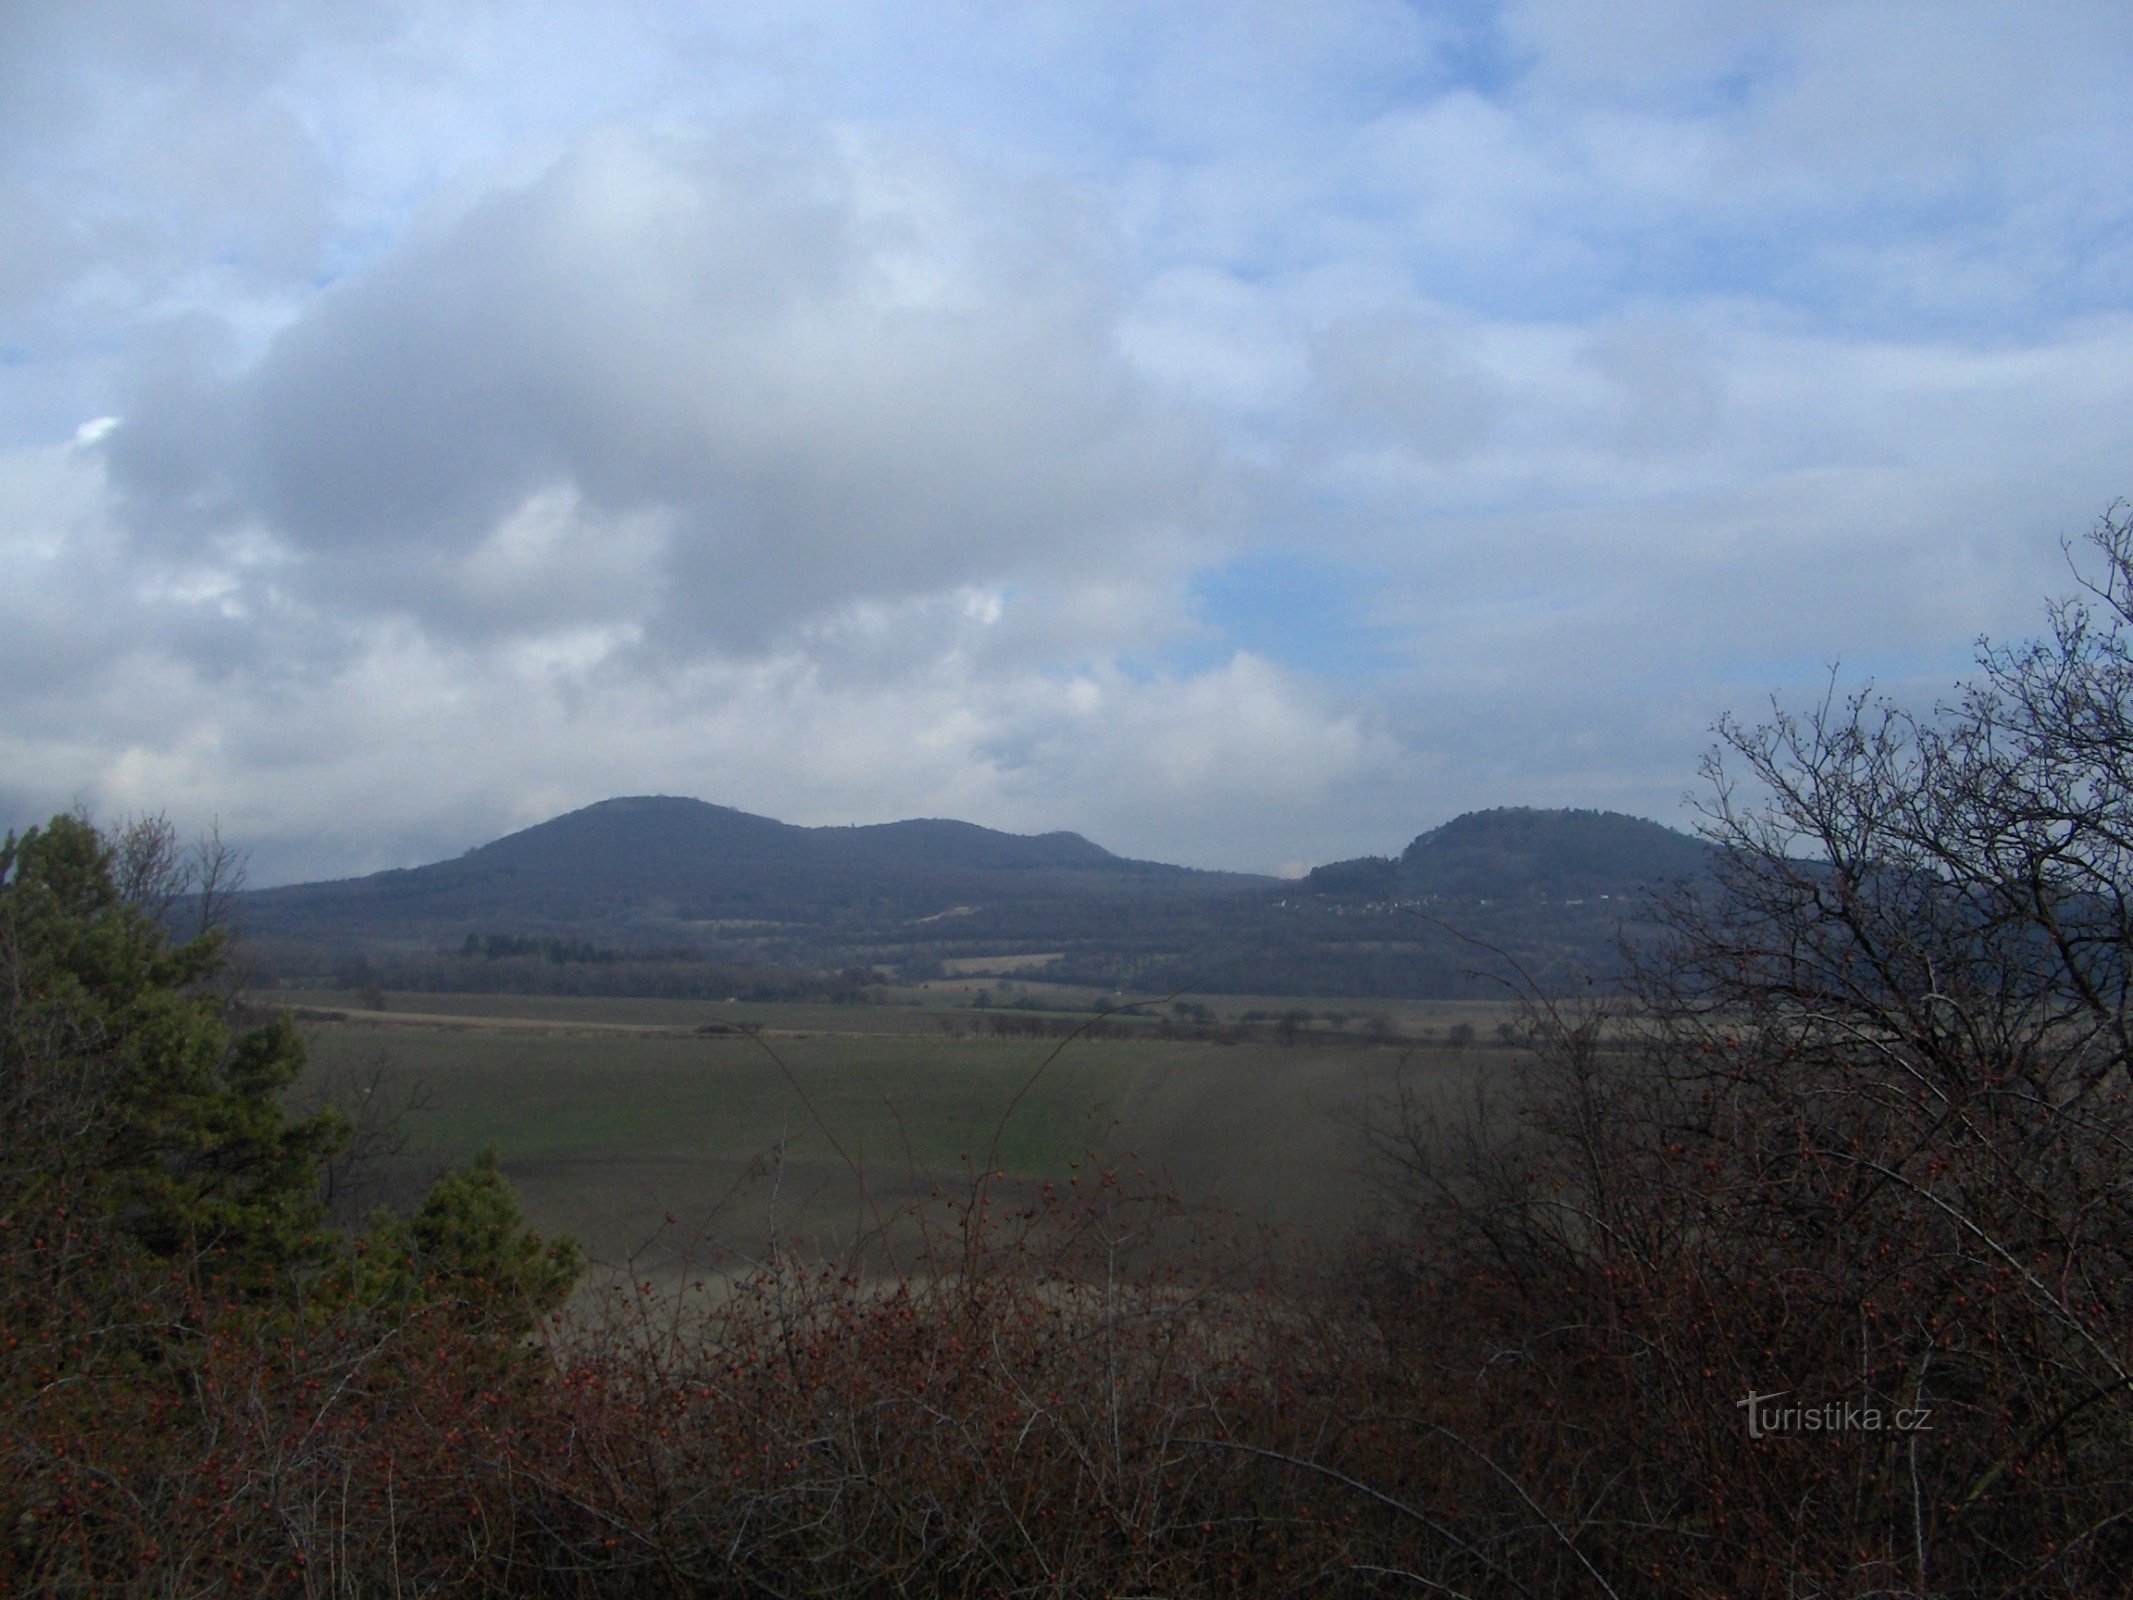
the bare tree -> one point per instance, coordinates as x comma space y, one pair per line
190, 891
1861, 1134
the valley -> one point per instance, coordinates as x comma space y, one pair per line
824, 1125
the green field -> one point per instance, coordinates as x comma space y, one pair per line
611, 1115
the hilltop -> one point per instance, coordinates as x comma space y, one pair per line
662, 868
1521, 853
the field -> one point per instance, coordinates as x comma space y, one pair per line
613, 1115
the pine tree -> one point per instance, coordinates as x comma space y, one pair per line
125, 1098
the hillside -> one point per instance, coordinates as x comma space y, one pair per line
1520, 853
1551, 889
659, 869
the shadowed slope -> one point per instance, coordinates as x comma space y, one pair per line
660, 867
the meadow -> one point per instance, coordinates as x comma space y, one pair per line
656, 1144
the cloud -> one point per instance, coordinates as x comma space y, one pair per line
757, 377
407, 748
1401, 379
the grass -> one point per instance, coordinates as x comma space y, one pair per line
851, 1112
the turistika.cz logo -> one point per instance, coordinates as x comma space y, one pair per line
1835, 1416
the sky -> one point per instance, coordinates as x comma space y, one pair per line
1248, 434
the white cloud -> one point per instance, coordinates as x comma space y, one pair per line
409, 748
766, 375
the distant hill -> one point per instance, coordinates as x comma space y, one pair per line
1520, 853
1549, 894
1551, 889
656, 868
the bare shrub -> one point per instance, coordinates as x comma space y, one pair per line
1858, 1143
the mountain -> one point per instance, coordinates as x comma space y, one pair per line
659, 869
1552, 890
1519, 853
1550, 895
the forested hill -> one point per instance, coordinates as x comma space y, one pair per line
1520, 853
1552, 894
1552, 889
657, 868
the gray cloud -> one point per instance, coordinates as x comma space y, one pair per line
1407, 381
749, 377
